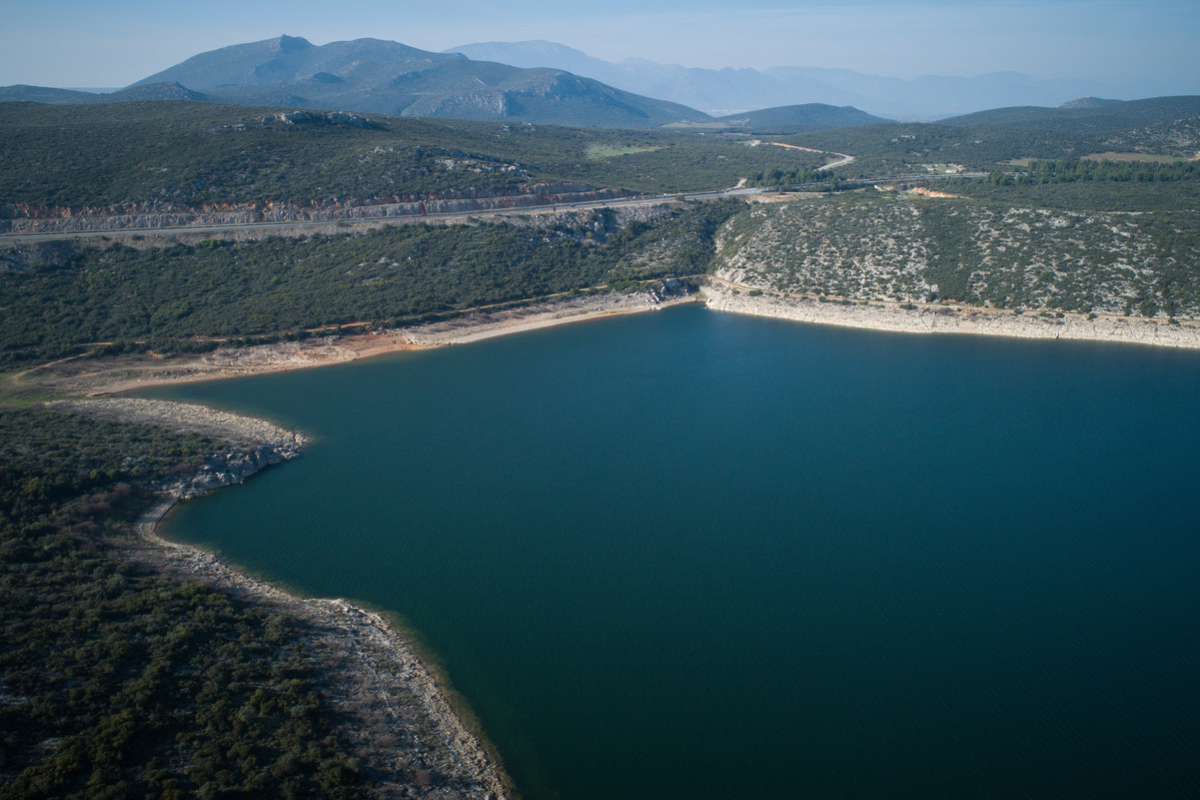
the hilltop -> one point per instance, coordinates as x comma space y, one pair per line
383, 77
1087, 115
809, 116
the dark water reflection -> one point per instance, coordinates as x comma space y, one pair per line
694, 555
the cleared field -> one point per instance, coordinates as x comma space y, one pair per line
595, 152
1140, 157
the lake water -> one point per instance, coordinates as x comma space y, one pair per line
697, 555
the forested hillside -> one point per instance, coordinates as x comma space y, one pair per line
118, 683
192, 154
183, 297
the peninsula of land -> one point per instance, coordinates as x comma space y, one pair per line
398, 715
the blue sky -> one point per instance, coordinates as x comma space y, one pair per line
1150, 44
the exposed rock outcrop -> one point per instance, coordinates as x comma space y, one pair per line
319, 118
226, 468
220, 425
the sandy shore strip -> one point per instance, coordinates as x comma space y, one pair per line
720, 296
479, 326
114, 375
400, 720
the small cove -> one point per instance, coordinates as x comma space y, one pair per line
690, 554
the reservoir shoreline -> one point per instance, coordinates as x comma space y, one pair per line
939, 319
370, 656
81, 377
1005, 542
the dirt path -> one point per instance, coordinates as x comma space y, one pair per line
842, 158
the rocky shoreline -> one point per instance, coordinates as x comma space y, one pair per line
721, 296
401, 722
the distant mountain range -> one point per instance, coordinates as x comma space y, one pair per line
371, 75
808, 116
721, 92
375, 76
547, 83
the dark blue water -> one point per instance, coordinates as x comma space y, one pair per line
695, 555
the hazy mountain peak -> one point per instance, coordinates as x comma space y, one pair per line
1093, 116
536, 53
386, 77
291, 44
807, 116
1087, 102
726, 90
284, 58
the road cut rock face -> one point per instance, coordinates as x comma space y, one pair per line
31, 219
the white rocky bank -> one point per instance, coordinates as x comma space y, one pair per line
944, 319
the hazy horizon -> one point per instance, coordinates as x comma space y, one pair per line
1143, 50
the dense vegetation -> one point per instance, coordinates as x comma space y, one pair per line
884, 150
1071, 171
789, 177
196, 153
1090, 185
1083, 195
119, 684
166, 296
189, 297
116, 683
